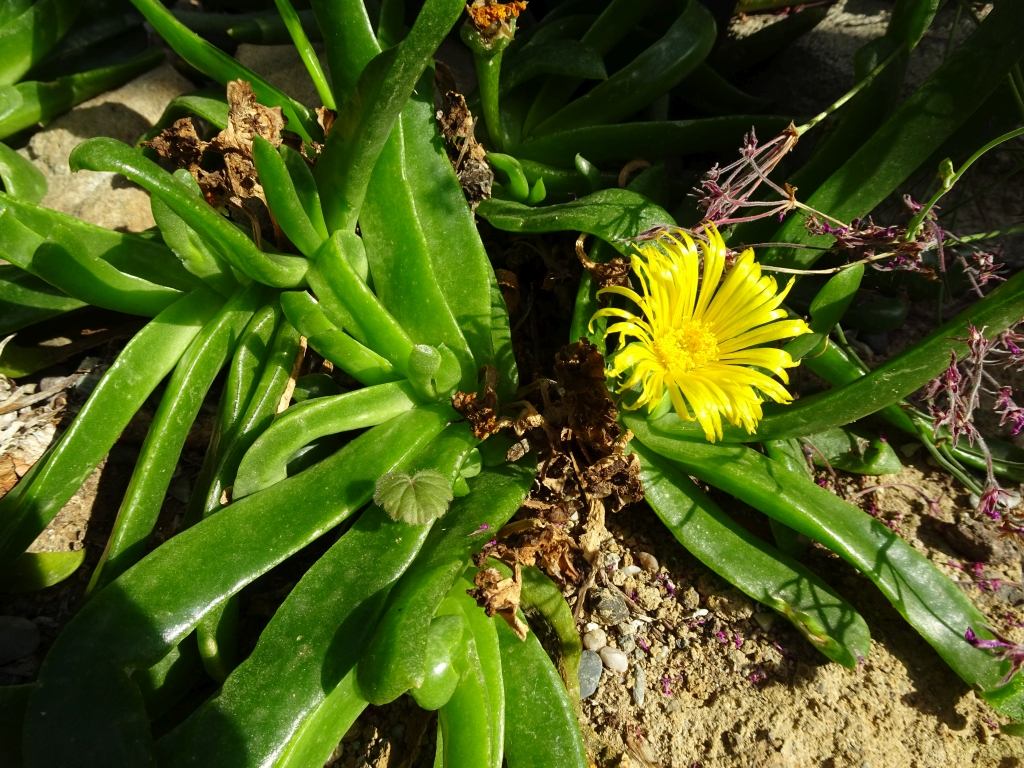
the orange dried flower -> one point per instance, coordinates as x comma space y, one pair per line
485, 17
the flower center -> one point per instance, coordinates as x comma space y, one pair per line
691, 345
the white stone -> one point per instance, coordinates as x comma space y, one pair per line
631, 570
595, 640
614, 659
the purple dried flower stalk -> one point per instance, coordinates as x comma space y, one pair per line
1001, 648
723, 191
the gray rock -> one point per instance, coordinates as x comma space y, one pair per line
1010, 595
614, 659
765, 620
609, 607
282, 67
639, 687
18, 638
595, 640
125, 113
590, 673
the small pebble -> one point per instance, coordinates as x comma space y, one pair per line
591, 625
614, 659
639, 687
18, 638
647, 561
627, 643
764, 620
589, 673
595, 640
631, 570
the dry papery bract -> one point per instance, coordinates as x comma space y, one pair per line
583, 469
467, 156
224, 167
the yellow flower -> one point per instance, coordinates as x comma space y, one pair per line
699, 339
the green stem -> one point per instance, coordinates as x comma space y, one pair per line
487, 55
306, 52
947, 183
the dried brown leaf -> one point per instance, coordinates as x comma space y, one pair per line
542, 544
615, 477
614, 272
8, 474
481, 413
508, 282
247, 119
326, 118
498, 595
592, 416
456, 125
180, 144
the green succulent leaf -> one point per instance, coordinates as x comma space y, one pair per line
415, 499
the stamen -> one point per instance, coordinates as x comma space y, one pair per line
691, 345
